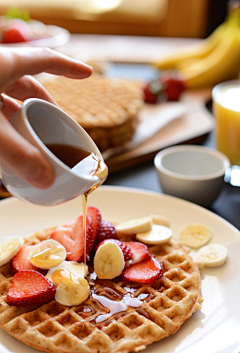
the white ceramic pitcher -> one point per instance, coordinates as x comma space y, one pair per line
41, 122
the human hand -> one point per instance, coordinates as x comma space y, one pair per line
17, 65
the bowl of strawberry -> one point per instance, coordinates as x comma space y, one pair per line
16, 28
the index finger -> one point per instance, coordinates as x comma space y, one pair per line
32, 61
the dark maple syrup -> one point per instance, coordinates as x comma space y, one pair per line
69, 155
113, 302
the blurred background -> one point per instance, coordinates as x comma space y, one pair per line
131, 40
168, 18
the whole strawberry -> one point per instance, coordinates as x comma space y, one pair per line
106, 231
173, 85
152, 91
29, 288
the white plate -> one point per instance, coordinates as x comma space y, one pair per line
56, 36
213, 329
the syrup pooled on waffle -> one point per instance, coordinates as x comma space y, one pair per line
132, 295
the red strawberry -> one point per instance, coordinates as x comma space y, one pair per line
173, 85
106, 231
21, 262
151, 91
16, 31
139, 251
14, 35
72, 238
96, 217
29, 288
147, 271
127, 252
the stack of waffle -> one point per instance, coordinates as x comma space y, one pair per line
106, 108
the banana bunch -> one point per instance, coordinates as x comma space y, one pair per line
215, 59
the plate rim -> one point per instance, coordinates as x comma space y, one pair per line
144, 192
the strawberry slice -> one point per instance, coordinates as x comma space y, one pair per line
21, 261
96, 217
127, 252
14, 35
106, 231
72, 238
147, 271
29, 288
140, 251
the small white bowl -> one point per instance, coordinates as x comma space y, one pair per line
193, 173
40, 122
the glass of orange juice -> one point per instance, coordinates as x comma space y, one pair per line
226, 110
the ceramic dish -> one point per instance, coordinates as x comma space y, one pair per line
194, 173
42, 123
54, 36
215, 328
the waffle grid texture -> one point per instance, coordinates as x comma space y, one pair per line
106, 108
55, 328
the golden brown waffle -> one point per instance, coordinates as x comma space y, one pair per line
106, 108
165, 305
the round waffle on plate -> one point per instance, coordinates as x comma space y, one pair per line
106, 108
92, 327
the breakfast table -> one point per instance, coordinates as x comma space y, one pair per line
130, 57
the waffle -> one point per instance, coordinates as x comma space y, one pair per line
106, 108
90, 328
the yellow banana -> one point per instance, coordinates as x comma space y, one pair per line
221, 64
185, 63
182, 58
200, 50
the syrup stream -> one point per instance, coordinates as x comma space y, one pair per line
95, 166
84, 207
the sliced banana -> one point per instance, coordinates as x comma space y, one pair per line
161, 220
133, 226
108, 261
157, 235
195, 235
212, 255
9, 249
47, 254
67, 269
71, 293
